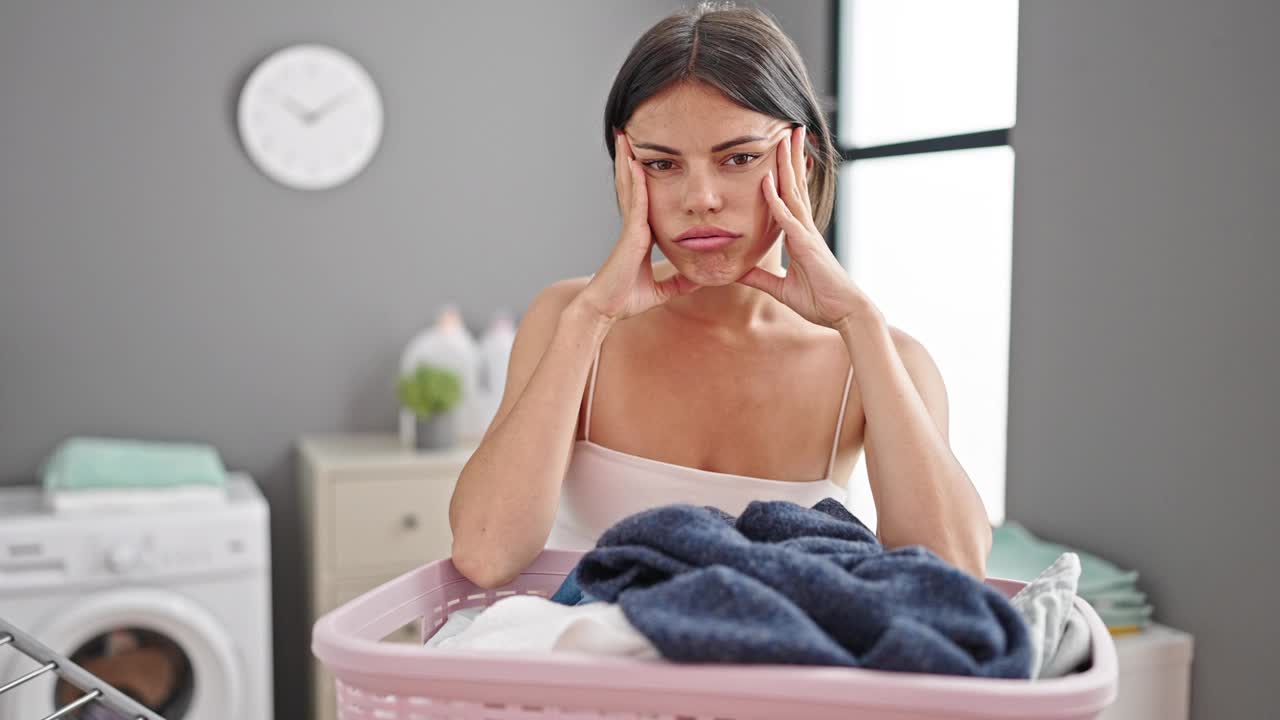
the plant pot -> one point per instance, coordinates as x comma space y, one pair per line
436, 432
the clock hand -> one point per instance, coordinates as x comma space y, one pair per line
328, 106
298, 109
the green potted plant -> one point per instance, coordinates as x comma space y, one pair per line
432, 393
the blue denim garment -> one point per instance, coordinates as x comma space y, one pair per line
811, 586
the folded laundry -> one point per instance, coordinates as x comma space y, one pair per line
787, 584
93, 474
90, 463
1017, 554
1120, 617
1118, 599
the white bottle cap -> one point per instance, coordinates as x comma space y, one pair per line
450, 318
502, 321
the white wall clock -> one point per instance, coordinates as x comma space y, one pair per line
310, 117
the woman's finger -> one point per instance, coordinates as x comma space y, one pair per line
622, 171
787, 178
639, 194
764, 280
641, 240
617, 159
793, 228
801, 171
789, 191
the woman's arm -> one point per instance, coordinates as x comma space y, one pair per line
922, 494
506, 497
507, 494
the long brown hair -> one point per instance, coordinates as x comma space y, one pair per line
742, 52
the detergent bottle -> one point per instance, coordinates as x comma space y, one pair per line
495, 352
446, 344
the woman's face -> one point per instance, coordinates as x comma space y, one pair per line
704, 157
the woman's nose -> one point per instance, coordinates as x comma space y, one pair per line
701, 194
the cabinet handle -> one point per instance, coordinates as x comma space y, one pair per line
410, 522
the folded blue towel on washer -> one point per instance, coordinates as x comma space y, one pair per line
793, 585
97, 463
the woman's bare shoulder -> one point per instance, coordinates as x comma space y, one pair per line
555, 297
568, 287
539, 320
560, 292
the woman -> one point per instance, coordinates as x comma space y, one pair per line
724, 380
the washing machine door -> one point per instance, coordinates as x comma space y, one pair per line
157, 646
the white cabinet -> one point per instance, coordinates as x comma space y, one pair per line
1155, 675
372, 510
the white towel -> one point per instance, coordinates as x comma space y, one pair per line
532, 622
1047, 604
128, 499
1073, 649
457, 621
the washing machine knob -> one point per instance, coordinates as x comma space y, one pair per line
123, 557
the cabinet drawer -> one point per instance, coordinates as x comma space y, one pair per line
391, 520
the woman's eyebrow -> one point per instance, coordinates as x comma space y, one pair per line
717, 148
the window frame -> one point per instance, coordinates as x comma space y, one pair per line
996, 137
848, 154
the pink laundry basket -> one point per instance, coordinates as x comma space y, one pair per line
398, 681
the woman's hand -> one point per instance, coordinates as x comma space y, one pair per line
624, 285
816, 286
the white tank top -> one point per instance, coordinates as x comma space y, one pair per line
602, 486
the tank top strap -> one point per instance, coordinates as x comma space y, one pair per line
591, 394
835, 443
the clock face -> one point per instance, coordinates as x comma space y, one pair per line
310, 117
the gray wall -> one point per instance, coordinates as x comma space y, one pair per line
154, 284
1143, 398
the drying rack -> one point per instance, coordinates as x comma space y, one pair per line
94, 688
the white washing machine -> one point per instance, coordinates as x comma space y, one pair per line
172, 606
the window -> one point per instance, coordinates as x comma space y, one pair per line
925, 105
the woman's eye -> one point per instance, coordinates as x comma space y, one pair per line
653, 164
737, 160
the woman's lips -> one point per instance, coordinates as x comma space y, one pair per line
712, 242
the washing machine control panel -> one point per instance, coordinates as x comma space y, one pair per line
123, 557
153, 552
147, 555
154, 547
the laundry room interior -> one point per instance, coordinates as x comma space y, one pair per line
276, 289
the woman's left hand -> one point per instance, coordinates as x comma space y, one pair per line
816, 286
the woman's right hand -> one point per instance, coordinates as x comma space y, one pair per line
624, 285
